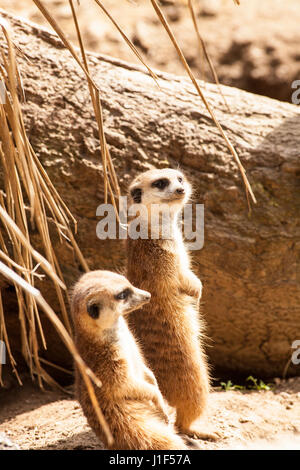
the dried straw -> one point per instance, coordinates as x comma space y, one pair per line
29, 193
203, 49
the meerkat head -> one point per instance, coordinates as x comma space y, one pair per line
99, 298
166, 186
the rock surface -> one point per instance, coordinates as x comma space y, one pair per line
249, 262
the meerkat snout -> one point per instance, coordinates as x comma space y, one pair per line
180, 191
139, 297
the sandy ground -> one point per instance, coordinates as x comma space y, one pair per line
252, 419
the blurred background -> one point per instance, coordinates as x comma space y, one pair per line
254, 46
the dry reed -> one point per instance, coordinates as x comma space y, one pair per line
30, 200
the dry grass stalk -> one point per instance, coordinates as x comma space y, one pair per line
27, 190
232, 150
203, 50
127, 40
27, 184
95, 96
96, 101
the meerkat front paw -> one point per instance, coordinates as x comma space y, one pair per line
196, 287
160, 403
152, 393
191, 285
149, 376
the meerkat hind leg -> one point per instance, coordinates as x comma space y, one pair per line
196, 433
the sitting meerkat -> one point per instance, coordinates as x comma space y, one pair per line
169, 327
129, 397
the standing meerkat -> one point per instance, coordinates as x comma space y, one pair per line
169, 327
129, 397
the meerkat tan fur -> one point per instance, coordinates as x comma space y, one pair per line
129, 397
169, 327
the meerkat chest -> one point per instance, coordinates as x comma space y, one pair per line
130, 352
181, 256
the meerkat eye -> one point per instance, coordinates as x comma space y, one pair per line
136, 195
93, 310
123, 295
161, 183
180, 179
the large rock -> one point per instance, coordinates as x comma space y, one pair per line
249, 261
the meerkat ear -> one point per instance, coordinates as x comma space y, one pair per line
93, 310
136, 194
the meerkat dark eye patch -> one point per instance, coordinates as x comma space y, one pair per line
161, 184
136, 195
93, 310
124, 294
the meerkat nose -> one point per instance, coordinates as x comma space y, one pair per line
147, 296
179, 191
